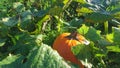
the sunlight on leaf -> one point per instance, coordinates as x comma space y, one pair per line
83, 29
80, 1
113, 48
65, 1
114, 37
99, 55
11, 61
110, 37
83, 10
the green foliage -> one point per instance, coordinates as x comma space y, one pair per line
93, 33
12, 61
39, 57
83, 29
26, 26
83, 51
97, 17
44, 56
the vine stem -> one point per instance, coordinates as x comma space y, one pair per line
106, 27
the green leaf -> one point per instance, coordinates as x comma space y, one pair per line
114, 37
74, 24
76, 49
19, 7
44, 56
116, 33
113, 48
26, 16
60, 22
38, 39
25, 20
82, 52
24, 43
84, 10
2, 42
80, 1
110, 37
10, 21
41, 22
97, 17
93, 34
115, 11
55, 10
99, 55
12, 61
103, 42
3, 30
83, 29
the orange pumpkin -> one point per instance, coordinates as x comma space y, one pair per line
63, 44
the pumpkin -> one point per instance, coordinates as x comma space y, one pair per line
63, 44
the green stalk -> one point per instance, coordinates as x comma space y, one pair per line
103, 63
106, 27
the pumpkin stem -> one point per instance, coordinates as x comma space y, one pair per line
73, 35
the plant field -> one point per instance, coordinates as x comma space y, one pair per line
28, 29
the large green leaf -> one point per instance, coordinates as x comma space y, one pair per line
24, 43
24, 18
12, 61
83, 53
10, 21
76, 22
73, 24
93, 34
44, 56
97, 17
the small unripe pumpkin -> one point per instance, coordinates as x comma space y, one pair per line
63, 44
